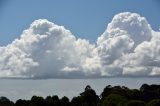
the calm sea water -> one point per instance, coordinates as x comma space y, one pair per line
15, 88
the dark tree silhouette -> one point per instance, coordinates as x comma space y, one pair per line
37, 101
89, 97
150, 92
123, 91
52, 101
147, 95
76, 101
114, 100
155, 102
65, 101
135, 94
21, 102
5, 102
135, 103
49, 101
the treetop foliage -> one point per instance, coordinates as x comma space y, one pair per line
147, 95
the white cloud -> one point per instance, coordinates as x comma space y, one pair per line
45, 50
128, 47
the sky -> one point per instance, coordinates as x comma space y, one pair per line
85, 18
79, 39
25, 89
46, 39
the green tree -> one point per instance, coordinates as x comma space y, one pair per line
114, 100
150, 92
65, 101
135, 94
56, 101
123, 91
5, 102
89, 97
155, 102
52, 100
76, 101
135, 103
37, 101
106, 92
21, 102
49, 101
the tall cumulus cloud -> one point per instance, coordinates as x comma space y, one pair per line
128, 47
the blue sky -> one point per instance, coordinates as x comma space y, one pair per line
85, 19
28, 57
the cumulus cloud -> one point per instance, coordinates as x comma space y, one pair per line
128, 47
46, 50
139, 54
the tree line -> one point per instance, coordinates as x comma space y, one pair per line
146, 95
